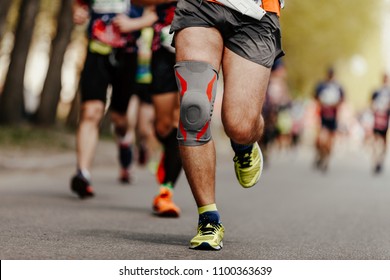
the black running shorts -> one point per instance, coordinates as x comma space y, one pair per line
143, 92
329, 124
117, 69
257, 41
163, 73
380, 132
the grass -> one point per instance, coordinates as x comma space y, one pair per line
36, 138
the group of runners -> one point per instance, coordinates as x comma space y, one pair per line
329, 96
285, 118
113, 30
183, 90
240, 37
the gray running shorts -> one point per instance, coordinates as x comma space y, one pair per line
257, 41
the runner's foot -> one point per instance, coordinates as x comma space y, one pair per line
249, 166
81, 186
378, 168
210, 232
163, 204
142, 155
125, 177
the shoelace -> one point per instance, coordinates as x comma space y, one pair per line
244, 160
205, 229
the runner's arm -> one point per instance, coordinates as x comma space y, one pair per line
80, 12
127, 24
151, 2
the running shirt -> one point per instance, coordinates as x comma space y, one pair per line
329, 95
165, 13
381, 108
100, 26
272, 6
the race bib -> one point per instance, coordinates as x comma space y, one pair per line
330, 96
110, 6
382, 102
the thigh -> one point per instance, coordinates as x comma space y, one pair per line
199, 44
165, 105
245, 84
167, 111
197, 36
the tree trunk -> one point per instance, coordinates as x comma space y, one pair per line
47, 110
12, 100
73, 116
4, 4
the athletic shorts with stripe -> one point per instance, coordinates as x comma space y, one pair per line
257, 41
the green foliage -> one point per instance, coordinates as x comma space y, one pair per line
35, 138
317, 34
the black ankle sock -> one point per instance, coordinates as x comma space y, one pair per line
209, 217
240, 148
125, 155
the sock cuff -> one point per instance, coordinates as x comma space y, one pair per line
240, 148
207, 208
85, 173
167, 185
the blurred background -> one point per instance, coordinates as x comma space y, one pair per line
42, 52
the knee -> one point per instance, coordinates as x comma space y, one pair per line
197, 85
92, 112
244, 131
241, 133
163, 126
121, 124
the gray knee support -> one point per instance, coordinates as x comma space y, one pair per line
197, 83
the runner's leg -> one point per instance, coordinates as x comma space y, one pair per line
202, 44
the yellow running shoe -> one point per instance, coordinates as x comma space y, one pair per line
249, 166
209, 237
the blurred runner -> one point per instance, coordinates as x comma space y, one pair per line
166, 104
297, 114
380, 105
111, 60
147, 143
329, 96
276, 111
280, 94
165, 100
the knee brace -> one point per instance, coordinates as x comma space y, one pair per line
197, 83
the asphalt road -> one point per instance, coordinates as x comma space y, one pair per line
294, 212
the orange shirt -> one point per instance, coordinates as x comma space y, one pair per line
272, 6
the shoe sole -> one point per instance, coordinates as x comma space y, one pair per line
79, 187
167, 214
204, 246
124, 181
